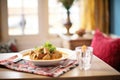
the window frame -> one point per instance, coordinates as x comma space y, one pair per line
42, 20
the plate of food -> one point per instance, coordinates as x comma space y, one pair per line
45, 55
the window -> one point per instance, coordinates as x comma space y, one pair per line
22, 17
57, 17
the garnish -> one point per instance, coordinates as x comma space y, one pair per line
49, 46
84, 47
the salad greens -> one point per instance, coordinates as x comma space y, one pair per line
49, 46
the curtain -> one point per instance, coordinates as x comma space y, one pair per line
102, 15
87, 16
95, 15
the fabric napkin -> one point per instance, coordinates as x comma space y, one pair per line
26, 66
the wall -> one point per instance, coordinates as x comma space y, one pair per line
115, 17
3, 22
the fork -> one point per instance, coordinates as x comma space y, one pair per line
17, 60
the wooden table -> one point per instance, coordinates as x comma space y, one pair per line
98, 71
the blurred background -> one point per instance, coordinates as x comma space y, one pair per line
33, 22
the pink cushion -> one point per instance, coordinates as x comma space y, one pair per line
107, 49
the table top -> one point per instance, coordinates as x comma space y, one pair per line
98, 71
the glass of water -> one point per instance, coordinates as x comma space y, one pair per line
84, 57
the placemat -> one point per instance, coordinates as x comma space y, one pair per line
26, 66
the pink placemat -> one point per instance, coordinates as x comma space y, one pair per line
26, 66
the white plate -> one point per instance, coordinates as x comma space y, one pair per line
66, 55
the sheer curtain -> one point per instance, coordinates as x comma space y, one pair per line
95, 15
88, 18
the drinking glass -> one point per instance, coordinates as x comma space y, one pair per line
84, 58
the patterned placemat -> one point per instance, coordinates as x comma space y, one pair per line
26, 66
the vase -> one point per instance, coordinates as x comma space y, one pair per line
68, 23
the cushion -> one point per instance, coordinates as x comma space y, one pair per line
8, 47
107, 49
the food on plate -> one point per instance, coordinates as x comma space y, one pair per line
45, 52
